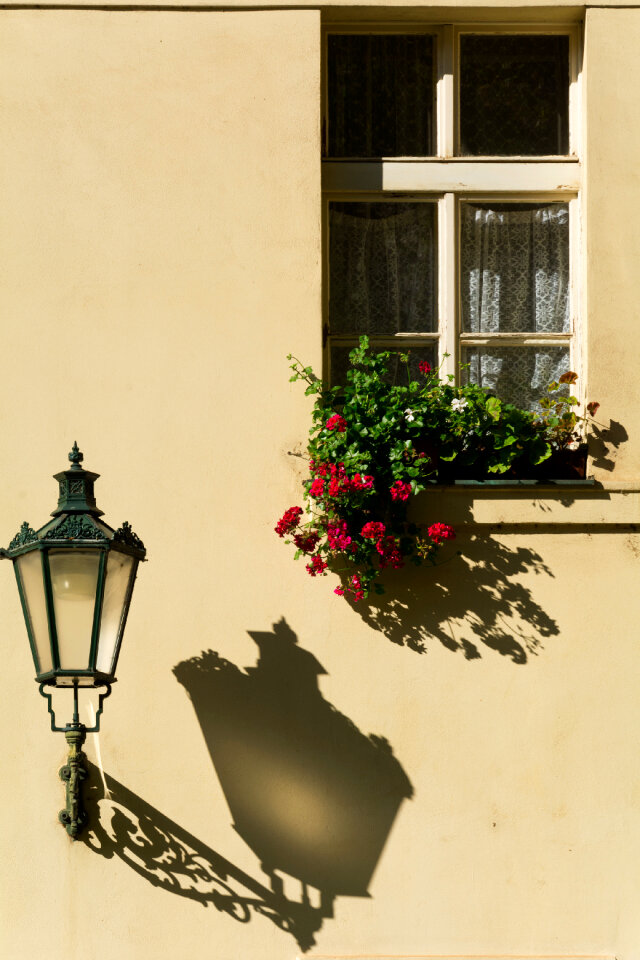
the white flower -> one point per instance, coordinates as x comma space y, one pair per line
573, 445
408, 415
459, 404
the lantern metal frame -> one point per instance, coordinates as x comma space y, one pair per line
76, 526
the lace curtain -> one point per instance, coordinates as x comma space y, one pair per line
515, 268
380, 94
515, 279
382, 268
514, 95
519, 375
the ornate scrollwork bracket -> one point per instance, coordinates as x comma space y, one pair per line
73, 817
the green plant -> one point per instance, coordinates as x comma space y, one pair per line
564, 427
373, 445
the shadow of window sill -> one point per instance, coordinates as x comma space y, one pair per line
530, 503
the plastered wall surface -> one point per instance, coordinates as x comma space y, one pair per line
160, 254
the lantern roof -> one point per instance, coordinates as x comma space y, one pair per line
76, 518
76, 487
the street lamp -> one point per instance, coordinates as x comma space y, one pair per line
75, 578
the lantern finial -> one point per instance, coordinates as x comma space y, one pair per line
76, 456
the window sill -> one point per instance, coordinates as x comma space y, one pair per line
531, 503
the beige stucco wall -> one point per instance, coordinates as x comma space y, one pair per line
159, 257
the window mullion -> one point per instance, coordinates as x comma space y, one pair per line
447, 286
445, 94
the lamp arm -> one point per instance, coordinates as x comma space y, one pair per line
74, 817
69, 726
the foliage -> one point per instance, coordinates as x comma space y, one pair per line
373, 445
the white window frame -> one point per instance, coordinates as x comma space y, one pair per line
451, 179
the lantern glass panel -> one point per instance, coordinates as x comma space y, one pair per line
119, 567
29, 567
74, 579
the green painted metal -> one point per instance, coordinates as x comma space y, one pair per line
75, 487
74, 526
74, 816
47, 693
24, 536
51, 615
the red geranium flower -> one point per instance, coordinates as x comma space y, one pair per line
400, 490
336, 422
441, 531
289, 521
317, 565
307, 542
373, 530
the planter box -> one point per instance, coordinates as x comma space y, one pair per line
561, 465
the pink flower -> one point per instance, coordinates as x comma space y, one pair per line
289, 521
353, 587
339, 538
424, 367
400, 490
317, 565
361, 482
336, 422
441, 531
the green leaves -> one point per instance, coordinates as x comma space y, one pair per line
399, 437
494, 407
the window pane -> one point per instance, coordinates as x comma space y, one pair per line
74, 582
381, 95
397, 369
382, 275
514, 95
519, 375
119, 567
515, 268
29, 567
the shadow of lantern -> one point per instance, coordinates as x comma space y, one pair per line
310, 794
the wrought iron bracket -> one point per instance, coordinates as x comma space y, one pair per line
74, 817
101, 698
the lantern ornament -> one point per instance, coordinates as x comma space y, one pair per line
75, 578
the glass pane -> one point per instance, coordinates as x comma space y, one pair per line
74, 579
29, 567
119, 567
514, 95
519, 375
382, 274
397, 370
381, 95
515, 268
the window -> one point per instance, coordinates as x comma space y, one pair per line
451, 182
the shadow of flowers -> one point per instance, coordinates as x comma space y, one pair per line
471, 599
